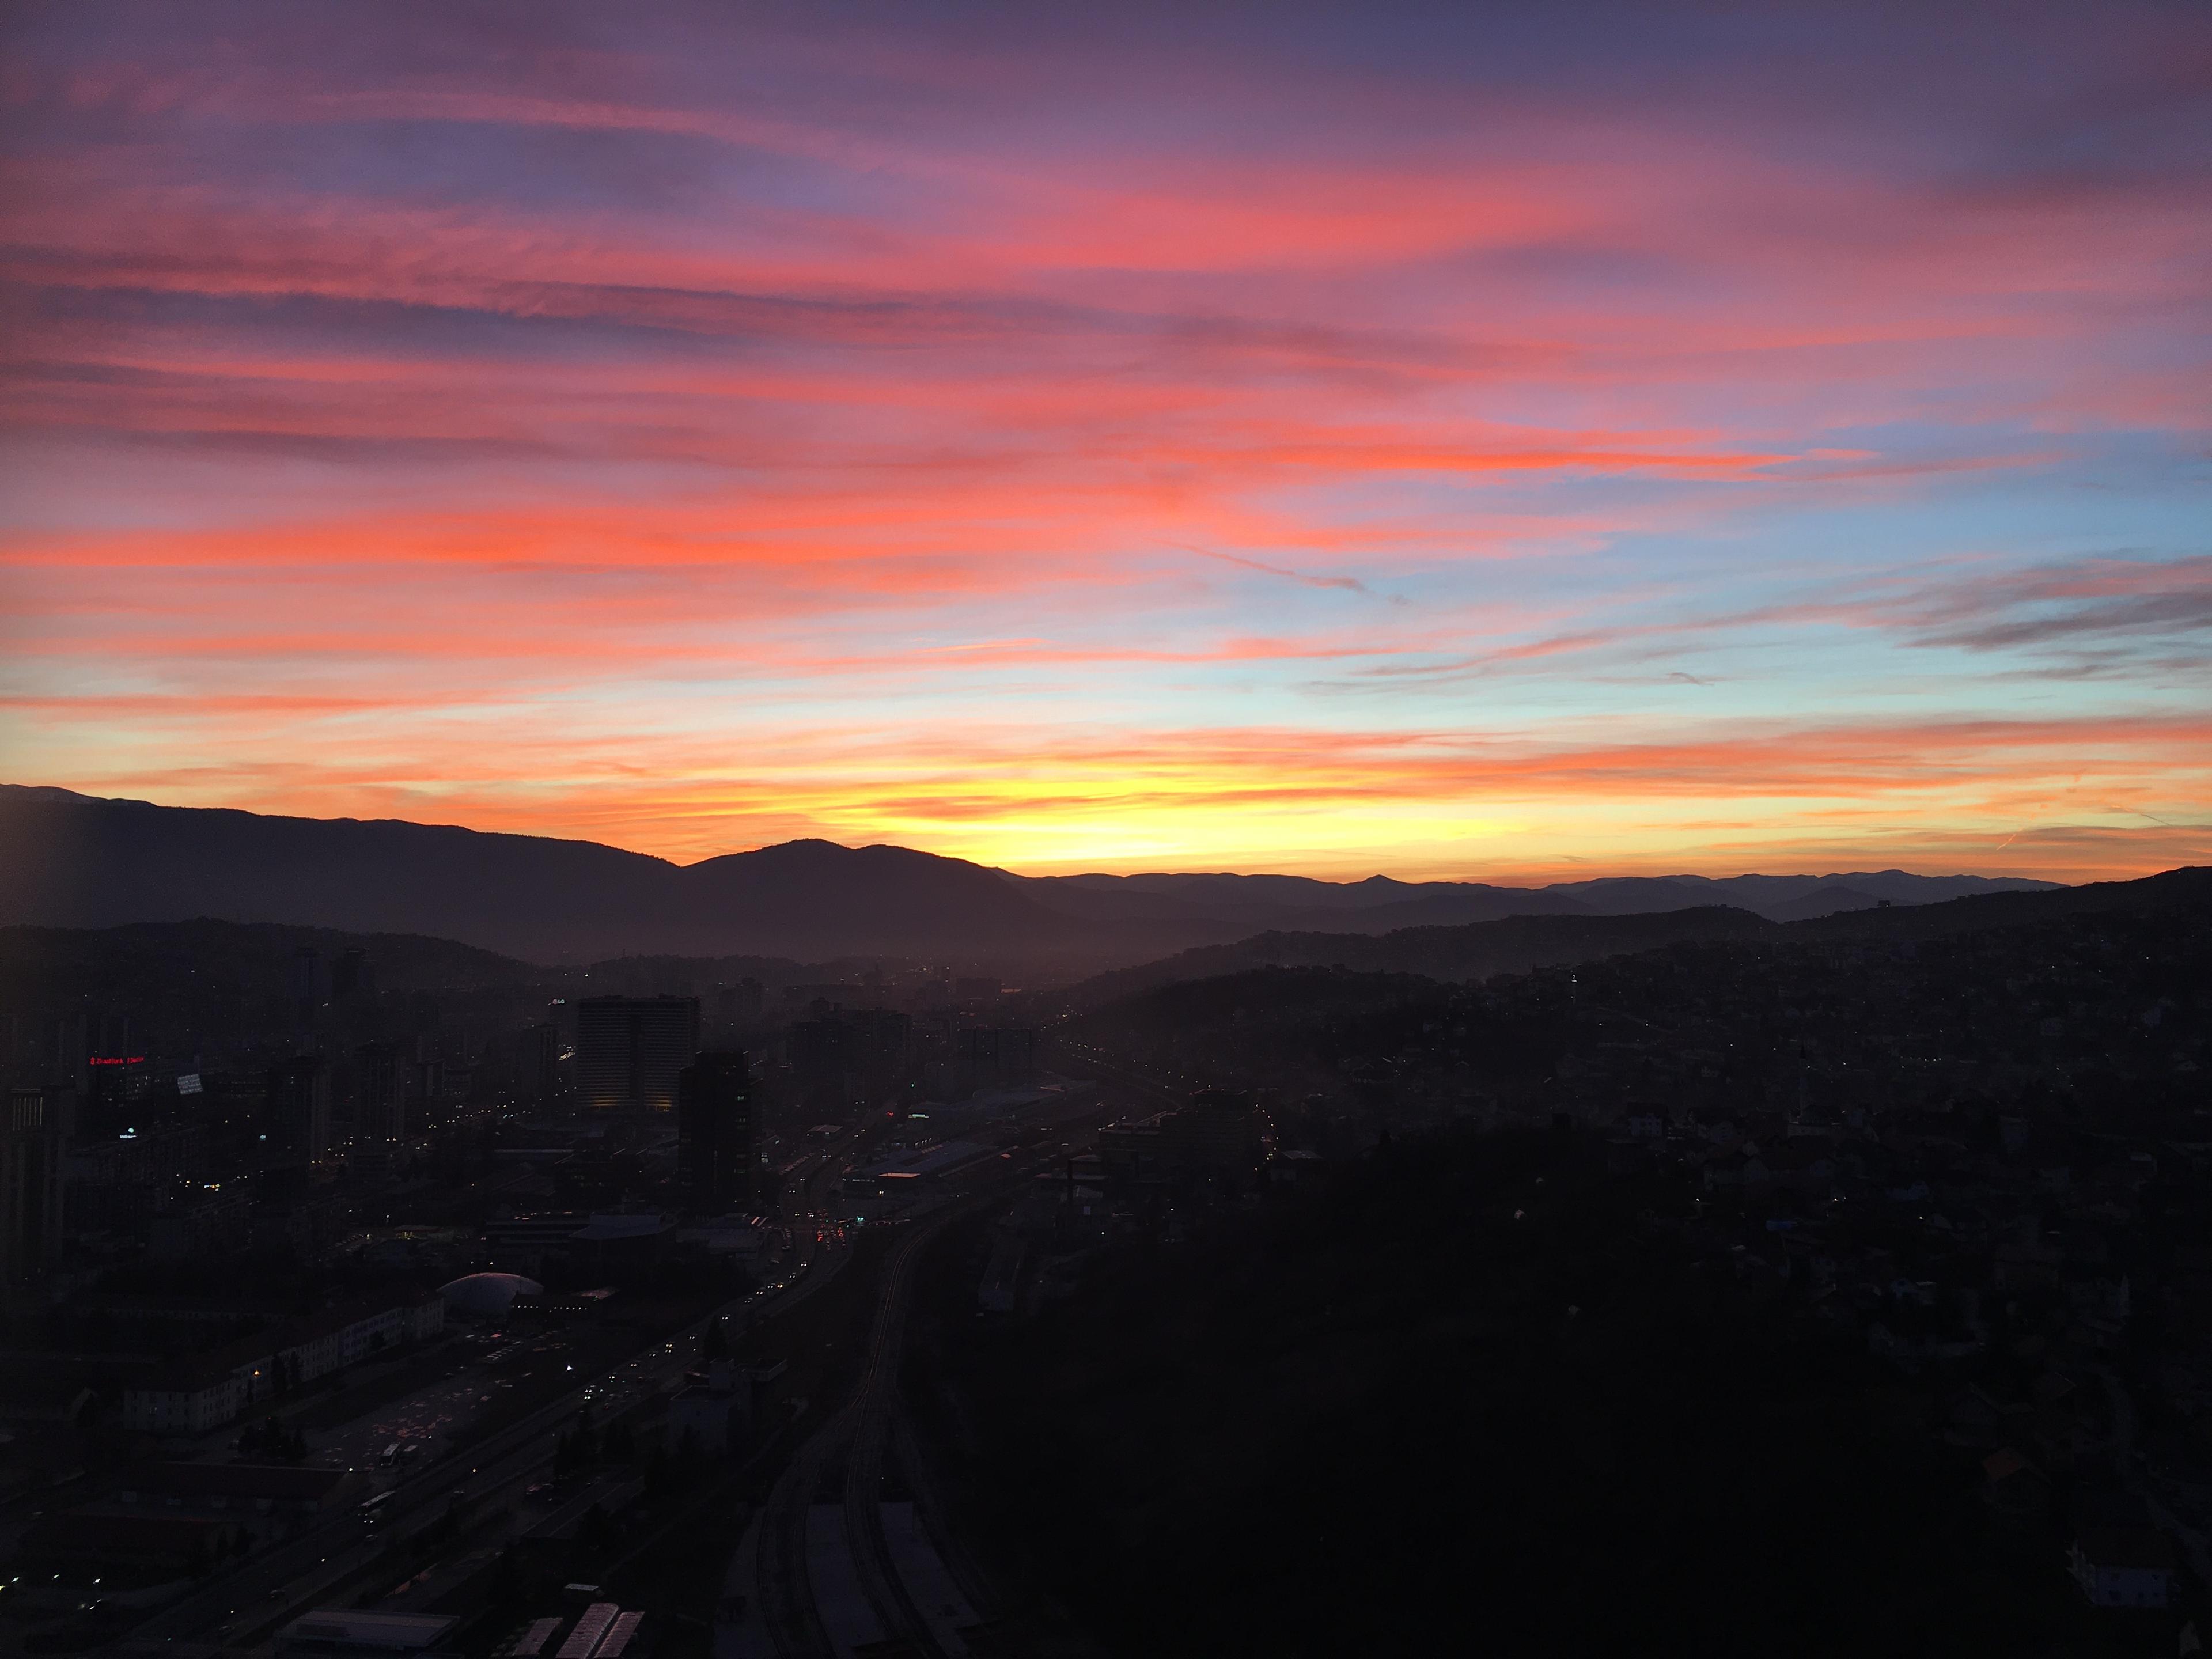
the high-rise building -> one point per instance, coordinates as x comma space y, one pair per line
33, 1140
629, 1050
309, 983
379, 1110
541, 1063
714, 1133
69, 1039
297, 1111
352, 974
991, 1058
1220, 1131
116, 1091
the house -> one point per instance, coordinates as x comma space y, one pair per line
2015, 1489
1977, 1417
2123, 1566
1627, 1155
1303, 1169
1808, 1169
1718, 1128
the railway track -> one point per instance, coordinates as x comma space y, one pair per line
868, 1429
858, 1434
873, 1409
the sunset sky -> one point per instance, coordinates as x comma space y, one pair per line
1496, 443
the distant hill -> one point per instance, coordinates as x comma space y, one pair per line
1836, 898
2187, 888
70, 860
1517, 943
1477, 950
1379, 904
45, 969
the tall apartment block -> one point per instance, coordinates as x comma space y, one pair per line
715, 1134
33, 1141
629, 1051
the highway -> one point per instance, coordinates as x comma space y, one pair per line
301, 1573
900, 1580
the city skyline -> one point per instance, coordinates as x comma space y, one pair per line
1480, 447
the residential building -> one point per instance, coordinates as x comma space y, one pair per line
380, 1108
630, 1050
33, 1143
1218, 1131
296, 1114
2123, 1566
715, 1134
210, 1390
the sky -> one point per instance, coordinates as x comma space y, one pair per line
1449, 441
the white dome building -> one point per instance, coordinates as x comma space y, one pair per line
487, 1296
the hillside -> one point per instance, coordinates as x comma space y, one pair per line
1517, 943
1511, 944
47, 968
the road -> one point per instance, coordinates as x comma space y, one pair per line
337, 1552
300, 1573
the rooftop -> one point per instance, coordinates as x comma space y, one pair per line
394, 1632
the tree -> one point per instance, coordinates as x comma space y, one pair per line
716, 1345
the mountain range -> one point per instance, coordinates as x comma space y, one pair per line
1517, 943
72, 860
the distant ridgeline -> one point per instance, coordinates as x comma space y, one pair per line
68, 861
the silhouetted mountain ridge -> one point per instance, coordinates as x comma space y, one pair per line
75, 862
70, 860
